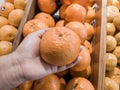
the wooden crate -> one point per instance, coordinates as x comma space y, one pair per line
29, 13
99, 46
99, 40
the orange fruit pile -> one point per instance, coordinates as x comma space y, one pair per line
10, 18
69, 36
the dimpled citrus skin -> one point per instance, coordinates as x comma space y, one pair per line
78, 28
59, 46
62, 11
60, 23
84, 2
48, 6
46, 18
15, 17
5, 47
84, 62
8, 33
33, 25
5, 9
3, 21
88, 45
90, 31
20, 4
75, 12
85, 73
50, 82
90, 14
65, 2
27, 85
11, 1
79, 83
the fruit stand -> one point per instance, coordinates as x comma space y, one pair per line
112, 48
99, 45
96, 71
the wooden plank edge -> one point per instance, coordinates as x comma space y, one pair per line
23, 21
102, 45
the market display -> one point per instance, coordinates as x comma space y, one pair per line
68, 24
71, 34
112, 79
69, 29
11, 15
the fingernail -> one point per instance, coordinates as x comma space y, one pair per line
81, 48
78, 59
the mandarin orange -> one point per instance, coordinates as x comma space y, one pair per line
79, 83
78, 28
15, 17
8, 33
5, 47
3, 21
84, 62
90, 31
6, 8
33, 25
75, 12
48, 6
50, 82
46, 18
59, 46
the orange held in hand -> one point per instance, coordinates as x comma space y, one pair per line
59, 46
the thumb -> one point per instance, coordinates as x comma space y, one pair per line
40, 32
75, 62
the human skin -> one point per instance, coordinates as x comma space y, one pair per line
25, 63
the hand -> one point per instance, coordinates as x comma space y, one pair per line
32, 66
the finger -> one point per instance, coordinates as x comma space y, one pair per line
61, 68
54, 68
81, 47
40, 32
75, 62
